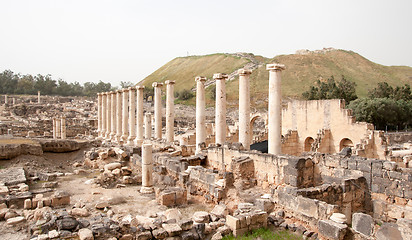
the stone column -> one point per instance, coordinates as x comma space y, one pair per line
14, 101
104, 109
148, 126
244, 108
6, 101
170, 111
108, 115
220, 115
54, 129
63, 127
139, 116
125, 113
132, 115
99, 114
275, 108
118, 115
58, 128
113, 116
158, 109
200, 112
38, 97
147, 169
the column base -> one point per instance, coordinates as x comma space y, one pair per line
146, 190
113, 136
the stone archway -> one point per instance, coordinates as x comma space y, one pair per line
345, 142
257, 122
308, 144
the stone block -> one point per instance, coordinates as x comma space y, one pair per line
240, 232
172, 229
405, 227
232, 222
332, 230
352, 164
308, 207
365, 166
265, 205
388, 165
395, 175
388, 231
362, 223
60, 200
167, 198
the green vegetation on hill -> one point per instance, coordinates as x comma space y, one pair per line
302, 71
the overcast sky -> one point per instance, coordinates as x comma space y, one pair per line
113, 41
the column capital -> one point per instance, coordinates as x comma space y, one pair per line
157, 84
124, 90
131, 88
200, 79
244, 72
219, 76
139, 87
170, 82
99, 94
119, 91
275, 67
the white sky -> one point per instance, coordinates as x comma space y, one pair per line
113, 41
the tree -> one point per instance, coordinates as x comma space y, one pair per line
383, 90
126, 84
330, 89
185, 94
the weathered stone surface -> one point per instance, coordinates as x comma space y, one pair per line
160, 233
86, 234
173, 213
80, 212
15, 220
201, 217
405, 227
67, 223
332, 230
388, 231
17, 147
362, 223
112, 166
172, 229
101, 205
12, 176
61, 145
54, 234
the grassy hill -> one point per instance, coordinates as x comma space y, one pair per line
302, 70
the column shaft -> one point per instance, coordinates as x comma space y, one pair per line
99, 114
244, 108
220, 116
275, 109
148, 126
200, 112
58, 128
132, 115
104, 109
38, 97
147, 169
54, 128
170, 111
63, 127
118, 115
113, 116
158, 109
125, 113
139, 116
108, 115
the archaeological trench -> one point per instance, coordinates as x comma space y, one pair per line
119, 167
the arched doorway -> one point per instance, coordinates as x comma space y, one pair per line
258, 133
308, 144
346, 142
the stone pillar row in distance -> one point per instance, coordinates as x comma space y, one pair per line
121, 115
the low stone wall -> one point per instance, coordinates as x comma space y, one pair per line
11, 148
398, 137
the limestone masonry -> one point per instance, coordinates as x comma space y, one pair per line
120, 167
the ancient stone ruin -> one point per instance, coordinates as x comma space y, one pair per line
118, 167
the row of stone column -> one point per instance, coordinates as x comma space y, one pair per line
59, 128
274, 120
6, 99
121, 119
